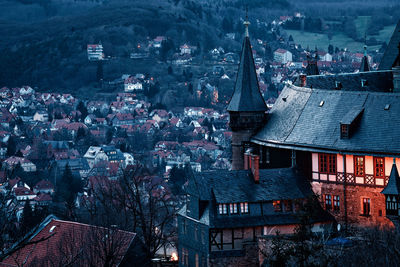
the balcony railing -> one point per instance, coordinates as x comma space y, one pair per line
351, 179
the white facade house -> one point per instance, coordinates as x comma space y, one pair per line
41, 115
282, 56
26, 165
129, 159
132, 84
323, 56
95, 154
95, 52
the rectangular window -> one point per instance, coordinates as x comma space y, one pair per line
184, 228
244, 207
366, 206
233, 208
222, 209
195, 232
359, 165
328, 202
327, 163
277, 205
336, 203
344, 130
379, 166
288, 205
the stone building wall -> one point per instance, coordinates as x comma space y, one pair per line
354, 198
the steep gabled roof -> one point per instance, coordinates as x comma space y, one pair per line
309, 119
65, 242
238, 186
393, 186
391, 51
247, 95
364, 64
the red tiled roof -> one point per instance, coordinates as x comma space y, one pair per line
43, 197
44, 184
23, 191
64, 241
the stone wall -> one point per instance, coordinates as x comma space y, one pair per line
249, 257
354, 198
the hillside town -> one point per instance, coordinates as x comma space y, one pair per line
273, 154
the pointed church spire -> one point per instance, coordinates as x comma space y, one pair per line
393, 185
246, 24
364, 63
247, 95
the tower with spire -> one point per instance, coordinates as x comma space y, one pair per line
312, 65
364, 63
247, 108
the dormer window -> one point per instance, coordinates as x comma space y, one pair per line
364, 83
344, 131
222, 209
244, 207
233, 208
277, 205
338, 85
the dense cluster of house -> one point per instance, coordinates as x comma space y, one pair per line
44, 133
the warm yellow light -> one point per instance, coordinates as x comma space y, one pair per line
174, 257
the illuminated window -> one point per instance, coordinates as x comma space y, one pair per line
288, 205
327, 163
336, 203
359, 165
244, 207
379, 165
328, 202
366, 206
222, 209
277, 205
233, 208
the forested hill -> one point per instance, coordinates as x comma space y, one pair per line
43, 42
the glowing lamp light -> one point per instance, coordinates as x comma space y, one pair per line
174, 257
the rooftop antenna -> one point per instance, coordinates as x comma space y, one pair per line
246, 23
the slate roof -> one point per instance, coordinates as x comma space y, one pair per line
64, 241
247, 95
298, 120
376, 81
239, 186
391, 51
393, 186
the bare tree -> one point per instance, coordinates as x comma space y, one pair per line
144, 205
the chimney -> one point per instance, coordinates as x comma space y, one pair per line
303, 80
246, 160
255, 168
396, 79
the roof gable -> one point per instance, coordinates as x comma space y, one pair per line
391, 51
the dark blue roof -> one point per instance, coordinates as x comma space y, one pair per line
375, 81
392, 51
239, 186
309, 119
393, 186
247, 96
